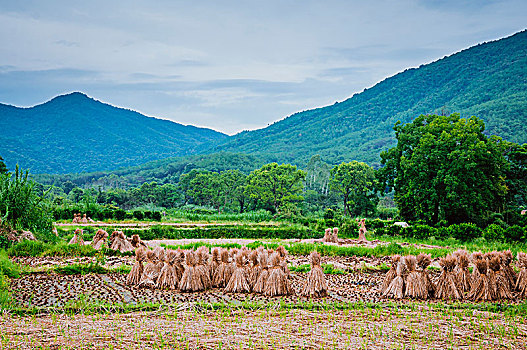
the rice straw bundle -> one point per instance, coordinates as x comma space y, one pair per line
497, 280
238, 280
216, 262
328, 236
99, 239
263, 258
167, 276
283, 262
190, 281
77, 237
202, 267
179, 269
113, 237
254, 270
151, 272
316, 285
415, 285
475, 257
137, 242
506, 269
521, 281
121, 244
463, 277
362, 230
224, 272
396, 287
391, 274
446, 285
335, 234
481, 290
277, 283
423, 261
134, 277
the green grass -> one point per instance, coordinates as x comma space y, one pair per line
7, 267
328, 269
84, 269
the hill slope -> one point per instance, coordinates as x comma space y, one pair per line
488, 80
74, 133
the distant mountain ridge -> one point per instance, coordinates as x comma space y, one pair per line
75, 133
488, 80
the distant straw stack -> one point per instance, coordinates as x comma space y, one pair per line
121, 244
99, 239
77, 237
316, 285
137, 242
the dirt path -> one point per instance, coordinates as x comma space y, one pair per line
265, 329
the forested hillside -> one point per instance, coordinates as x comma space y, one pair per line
488, 80
75, 133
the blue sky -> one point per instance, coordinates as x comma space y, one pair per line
230, 65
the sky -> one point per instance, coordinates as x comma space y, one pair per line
231, 65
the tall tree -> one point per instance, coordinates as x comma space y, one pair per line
3, 167
355, 182
444, 168
273, 186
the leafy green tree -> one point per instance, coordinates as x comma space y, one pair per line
273, 186
355, 183
233, 187
445, 169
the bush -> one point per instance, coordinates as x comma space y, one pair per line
494, 232
7, 267
4, 242
138, 214
375, 224
392, 230
64, 249
418, 231
156, 216
148, 214
119, 214
27, 248
514, 233
464, 231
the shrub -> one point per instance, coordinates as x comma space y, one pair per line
349, 229
514, 233
4, 242
156, 216
7, 267
418, 231
148, 214
494, 232
138, 214
119, 214
464, 231
27, 248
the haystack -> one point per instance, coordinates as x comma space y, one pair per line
254, 270
391, 274
396, 287
497, 280
521, 281
216, 262
113, 237
121, 244
481, 289
263, 259
99, 239
277, 283
84, 219
446, 285
224, 271
283, 261
190, 281
316, 286
77, 237
362, 230
238, 281
167, 276
202, 266
335, 234
136, 242
179, 268
328, 236
136, 273
416, 286
463, 277
475, 257
151, 271
160, 257
506, 269
423, 261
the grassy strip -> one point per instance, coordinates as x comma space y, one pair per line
328, 269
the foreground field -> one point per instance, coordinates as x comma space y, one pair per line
421, 326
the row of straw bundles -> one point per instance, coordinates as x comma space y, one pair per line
331, 235
236, 271
492, 278
118, 240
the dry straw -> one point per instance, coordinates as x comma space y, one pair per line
238, 281
416, 286
135, 275
277, 283
167, 277
391, 274
506, 269
254, 270
99, 239
423, 261
498, 281
77, 237
137, 242
396, 287
481, 290
121, 244
224, 272
316, 285
263, 259
463, 277
151, 271
521, 281
190, 281
446, 285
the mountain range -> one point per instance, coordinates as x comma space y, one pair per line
75, 133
